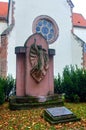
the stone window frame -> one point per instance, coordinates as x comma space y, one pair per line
51, 20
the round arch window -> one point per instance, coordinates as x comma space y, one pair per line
47, 27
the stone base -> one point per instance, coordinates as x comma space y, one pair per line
59, 115
18, 103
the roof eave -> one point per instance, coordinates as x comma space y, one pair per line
79, 26
70, 3
3, 18
7, 30
78, 38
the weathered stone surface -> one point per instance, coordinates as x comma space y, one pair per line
34, 77
58, 111
59, 115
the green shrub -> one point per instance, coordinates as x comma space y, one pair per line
9, 83
2, 95
57, 85
6, 85
72, 83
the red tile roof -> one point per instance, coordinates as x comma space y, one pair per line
79, 20
3, 9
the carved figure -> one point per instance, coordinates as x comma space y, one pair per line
39, 61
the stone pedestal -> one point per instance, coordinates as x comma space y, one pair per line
57, 115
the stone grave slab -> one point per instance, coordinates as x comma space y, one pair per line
59, 115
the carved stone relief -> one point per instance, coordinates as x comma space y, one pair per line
39, 61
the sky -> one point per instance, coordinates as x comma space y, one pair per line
79, 6
4, 0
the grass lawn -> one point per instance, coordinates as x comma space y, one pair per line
31, 119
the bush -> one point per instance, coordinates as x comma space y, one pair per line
9, 83
2, 95
57, 85
6, 86
72, 83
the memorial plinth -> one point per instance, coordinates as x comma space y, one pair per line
59, 115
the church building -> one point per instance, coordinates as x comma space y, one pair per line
54, 20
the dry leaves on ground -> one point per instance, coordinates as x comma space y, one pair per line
31, 119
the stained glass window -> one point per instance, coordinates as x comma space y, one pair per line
47, 27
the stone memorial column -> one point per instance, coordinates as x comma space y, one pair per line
20, 71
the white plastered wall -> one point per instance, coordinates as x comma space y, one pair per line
25, 13
3, 26
77, 51
11, 57
80, 32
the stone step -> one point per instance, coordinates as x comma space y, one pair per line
61, 120
17, 103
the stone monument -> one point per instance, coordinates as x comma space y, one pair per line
34, 66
